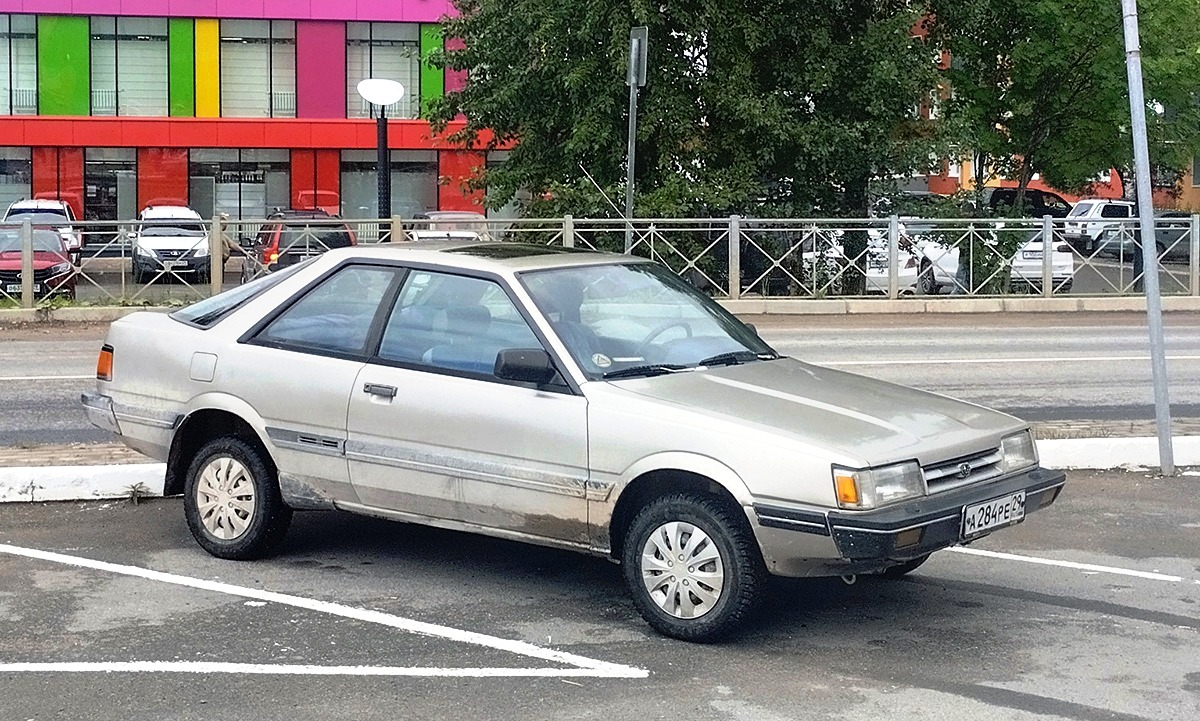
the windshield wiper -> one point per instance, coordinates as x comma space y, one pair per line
736, 358
653, 369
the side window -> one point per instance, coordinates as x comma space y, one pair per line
335, 316
453, 322
1114, 211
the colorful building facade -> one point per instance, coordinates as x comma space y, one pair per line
235, 106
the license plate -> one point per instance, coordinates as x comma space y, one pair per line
996, 513
174, 263
11, 288
1031, 254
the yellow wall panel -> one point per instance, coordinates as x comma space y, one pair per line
208, 68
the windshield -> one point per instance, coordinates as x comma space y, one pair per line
44, 241
626, 316
1081, 209
40, 217
170, 227
58, 215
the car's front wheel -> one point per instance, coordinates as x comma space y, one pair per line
231, 500
693, 567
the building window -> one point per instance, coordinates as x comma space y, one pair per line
129, 66
18, 65
16, 175
1196, 172
258, 68
383, 50
414, 183
110, 183
241, 183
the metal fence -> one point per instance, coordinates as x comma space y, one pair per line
173, 262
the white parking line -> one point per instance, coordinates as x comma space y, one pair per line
583, 666
1071, 564
285, 669
46, 378
985, 361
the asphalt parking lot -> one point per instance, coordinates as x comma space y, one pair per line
1089, 610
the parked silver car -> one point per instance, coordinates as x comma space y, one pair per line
583, 400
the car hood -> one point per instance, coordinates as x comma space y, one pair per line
171, 242
861, 417
11, 260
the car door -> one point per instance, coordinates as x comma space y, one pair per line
299, 365
435, 436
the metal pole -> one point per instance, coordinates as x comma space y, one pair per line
382, 166
568, 231
894, 257
1194, 256
1047, 256
216, 256
735, 257
629, 158
26, 263
1141, 156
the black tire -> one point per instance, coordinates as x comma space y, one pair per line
270, 518
926, 282
744, 573
139, 275
903, 569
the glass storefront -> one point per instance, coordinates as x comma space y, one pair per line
110, 184
16, 175
414, 183
242, 183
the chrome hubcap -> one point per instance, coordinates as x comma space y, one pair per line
682, 570
225, 498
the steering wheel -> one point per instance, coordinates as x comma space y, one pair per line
658, 330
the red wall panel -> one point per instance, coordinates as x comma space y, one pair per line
58, 173
162, 176
316, 179
455, 167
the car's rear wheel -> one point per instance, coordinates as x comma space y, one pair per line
926, 282
693, 567
903, 569
231, 500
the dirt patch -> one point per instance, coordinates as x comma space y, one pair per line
53, 330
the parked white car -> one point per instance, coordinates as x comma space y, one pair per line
171, 239
1092, 220
939, 265
45, 213
588, 401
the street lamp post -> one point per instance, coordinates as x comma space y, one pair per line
381, 93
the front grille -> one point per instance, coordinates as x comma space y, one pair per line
981, 466
14, 276
172, 254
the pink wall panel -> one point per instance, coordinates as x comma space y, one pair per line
455, 79
320, 69
383, 10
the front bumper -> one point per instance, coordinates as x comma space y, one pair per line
861, 541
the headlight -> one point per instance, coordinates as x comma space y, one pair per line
143, 250
200, 251
60, 269
875, 487
1018, 452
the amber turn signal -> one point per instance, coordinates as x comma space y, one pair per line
847, 490
104, 364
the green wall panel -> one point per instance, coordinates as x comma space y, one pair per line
181, 54
64, 65
433, 82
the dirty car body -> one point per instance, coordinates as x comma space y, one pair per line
583, 400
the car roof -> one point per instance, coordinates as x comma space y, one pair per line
41, 204
485, 256
169, 211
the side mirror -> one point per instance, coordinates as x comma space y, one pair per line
526, 365
74, 255
246, 242
752, 328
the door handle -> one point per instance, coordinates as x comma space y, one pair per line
377, 389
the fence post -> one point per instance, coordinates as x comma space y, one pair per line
1047, 256
396, 230
568, 231
216, 256
735, 257
1194, 256
893, 257
26, 264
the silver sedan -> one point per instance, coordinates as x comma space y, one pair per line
583, 400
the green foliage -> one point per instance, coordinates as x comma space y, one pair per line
781, 108
1044, 81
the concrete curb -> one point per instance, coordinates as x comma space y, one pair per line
89, 483
747, 306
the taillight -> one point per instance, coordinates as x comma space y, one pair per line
104, 364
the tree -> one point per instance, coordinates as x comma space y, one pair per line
778, 108
1039, 86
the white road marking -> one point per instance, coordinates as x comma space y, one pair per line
1070, 564
986, 361
284, 669
583, 664
47, 378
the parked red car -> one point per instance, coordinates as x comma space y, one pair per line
291, 236
53, 269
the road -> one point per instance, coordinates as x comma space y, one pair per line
1026, 635
1040, 367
